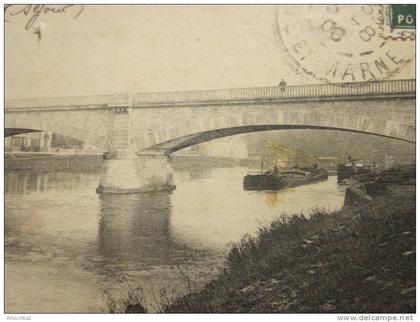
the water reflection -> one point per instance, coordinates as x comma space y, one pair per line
135, 228
272, 198
65, 244
215, 212
197, 173
20, 182
136, 248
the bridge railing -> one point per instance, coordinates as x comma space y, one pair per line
316, 90
237, 94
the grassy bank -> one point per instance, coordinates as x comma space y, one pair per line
356, 260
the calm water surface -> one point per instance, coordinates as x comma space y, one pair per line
70, 250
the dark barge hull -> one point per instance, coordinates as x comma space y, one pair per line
263, 182
273, 182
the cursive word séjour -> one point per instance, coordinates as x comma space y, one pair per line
34, 11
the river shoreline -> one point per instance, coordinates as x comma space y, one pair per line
47, 162
142, 240
357, 260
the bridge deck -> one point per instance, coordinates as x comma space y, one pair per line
372, 88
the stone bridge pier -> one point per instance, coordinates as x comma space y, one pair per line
126, 172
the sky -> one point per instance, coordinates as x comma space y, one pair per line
119, 49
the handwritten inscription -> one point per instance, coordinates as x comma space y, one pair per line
35, 11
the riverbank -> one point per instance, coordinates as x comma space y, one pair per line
50, 162
360, 259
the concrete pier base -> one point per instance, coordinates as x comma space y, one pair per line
136, 174
125, 172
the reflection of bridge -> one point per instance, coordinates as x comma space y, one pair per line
154, 125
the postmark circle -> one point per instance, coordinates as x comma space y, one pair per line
341, 43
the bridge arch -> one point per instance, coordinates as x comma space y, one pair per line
175, 145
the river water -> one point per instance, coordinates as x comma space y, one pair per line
71, 250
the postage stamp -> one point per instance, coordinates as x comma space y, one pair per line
347, 43
398, 22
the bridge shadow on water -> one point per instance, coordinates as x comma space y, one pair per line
134, 229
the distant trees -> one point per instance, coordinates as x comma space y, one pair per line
283, 156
